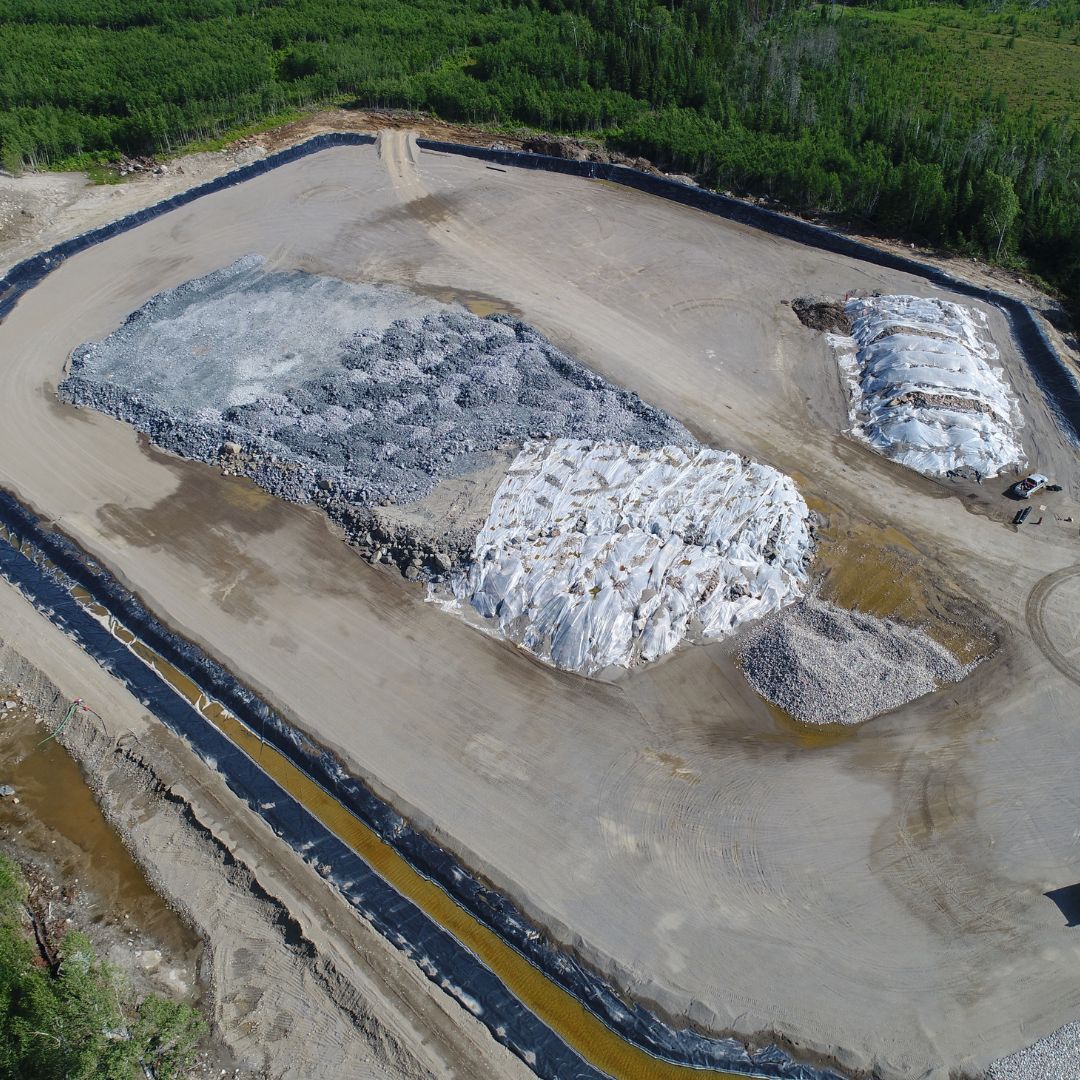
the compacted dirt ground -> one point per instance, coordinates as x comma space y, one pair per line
875, 895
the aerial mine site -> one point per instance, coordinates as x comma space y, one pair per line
529, 625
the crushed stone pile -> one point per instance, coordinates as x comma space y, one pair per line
824, 665
598, 554
312, 385
614, 534
923, 387
1055, 1057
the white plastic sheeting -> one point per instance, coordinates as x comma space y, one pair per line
598, 554
923, 388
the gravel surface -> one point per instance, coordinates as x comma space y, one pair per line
314, 385
824, 665
1055, 1057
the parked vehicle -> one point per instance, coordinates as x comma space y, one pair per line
1030, 485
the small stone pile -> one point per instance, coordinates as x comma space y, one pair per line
825, 665
1055, 1057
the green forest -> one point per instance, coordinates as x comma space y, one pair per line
73, 1018
948, 123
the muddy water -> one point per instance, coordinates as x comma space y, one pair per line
479, 303
862, 566
878, 570
562, 1012
57, 819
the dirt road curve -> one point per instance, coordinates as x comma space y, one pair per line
880, 896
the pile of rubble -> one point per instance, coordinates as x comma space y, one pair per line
310, 385
1054, 1057
824, 665
352, 397
129, 166
575, 149
825, 313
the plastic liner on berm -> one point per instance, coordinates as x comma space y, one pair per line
45, 565
1055, 379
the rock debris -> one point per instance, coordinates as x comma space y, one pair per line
1055, 1057
319, 391
825, 665
373, 408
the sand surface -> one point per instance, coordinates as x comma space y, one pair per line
878, 896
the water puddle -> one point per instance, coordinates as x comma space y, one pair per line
879, 571
57, 824
479, 303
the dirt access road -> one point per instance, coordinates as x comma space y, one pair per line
877, 897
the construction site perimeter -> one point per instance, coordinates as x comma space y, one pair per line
873, 897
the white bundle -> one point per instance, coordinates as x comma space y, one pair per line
596, 554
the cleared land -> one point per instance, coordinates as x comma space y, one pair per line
878, 896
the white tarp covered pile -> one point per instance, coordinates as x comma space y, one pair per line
922, 386
603, 553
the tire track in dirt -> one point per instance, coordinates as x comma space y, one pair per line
1035, 613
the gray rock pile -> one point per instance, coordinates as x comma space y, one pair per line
348, 396
1055, 1057
825, 665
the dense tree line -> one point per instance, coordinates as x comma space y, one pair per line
950, 122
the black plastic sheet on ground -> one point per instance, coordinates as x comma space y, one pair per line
46, 564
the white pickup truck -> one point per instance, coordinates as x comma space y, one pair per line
1030, 485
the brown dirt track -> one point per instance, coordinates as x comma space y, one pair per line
878, 896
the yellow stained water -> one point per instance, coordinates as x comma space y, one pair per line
59, 802
811, 736
478, 303
562, 1012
